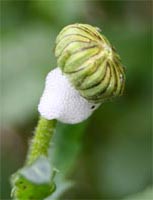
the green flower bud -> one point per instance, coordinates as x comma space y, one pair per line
90, 62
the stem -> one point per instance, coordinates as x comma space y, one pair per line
41, 141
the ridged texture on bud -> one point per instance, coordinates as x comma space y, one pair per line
90, 62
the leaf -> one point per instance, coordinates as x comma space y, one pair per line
63, 186
146, 194
39, 172
68, 140
35, 181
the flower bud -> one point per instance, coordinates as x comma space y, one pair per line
90, 62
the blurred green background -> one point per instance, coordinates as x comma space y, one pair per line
108, 156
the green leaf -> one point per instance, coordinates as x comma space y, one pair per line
146, 194
62, 186
34, 181
68, 140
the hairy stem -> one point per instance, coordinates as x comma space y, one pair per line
41, 141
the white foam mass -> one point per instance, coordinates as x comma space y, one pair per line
61, 101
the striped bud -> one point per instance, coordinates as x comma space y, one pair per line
90, 62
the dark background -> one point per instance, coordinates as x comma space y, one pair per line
109, 155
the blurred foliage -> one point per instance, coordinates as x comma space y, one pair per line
144, 195
108, 156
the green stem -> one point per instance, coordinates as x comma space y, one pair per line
41, 141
